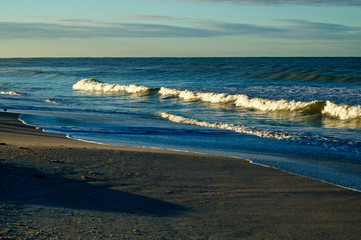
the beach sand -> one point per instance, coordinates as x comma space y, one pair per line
52, 187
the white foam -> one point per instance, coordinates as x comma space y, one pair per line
274, 105
51, 101
92, 85
242, 100
342, 111
10, 93
198, 96
232, 127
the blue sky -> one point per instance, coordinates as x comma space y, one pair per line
178, 28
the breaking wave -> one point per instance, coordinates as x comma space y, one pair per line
335, 110
93, 85
341, 111
12, 93
51, 101
231, 127
302, 138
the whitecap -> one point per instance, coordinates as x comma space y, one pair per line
231, 127
342, 111
93, 85
11, 93
51, 101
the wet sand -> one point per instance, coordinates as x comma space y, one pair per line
52, 187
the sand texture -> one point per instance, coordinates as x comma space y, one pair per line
52, 187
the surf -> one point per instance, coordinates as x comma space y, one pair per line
93, 85
302, 138
335, 110
10, 93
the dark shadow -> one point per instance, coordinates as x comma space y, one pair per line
29, 186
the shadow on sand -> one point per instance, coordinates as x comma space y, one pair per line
29, 186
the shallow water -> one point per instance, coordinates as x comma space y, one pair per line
302, 115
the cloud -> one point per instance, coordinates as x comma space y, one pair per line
356, 3
154, 18
13, 30
78, 28
244, 29
315, 30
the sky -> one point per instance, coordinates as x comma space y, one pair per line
179, 28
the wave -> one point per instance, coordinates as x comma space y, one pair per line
93, 85
340, 111
328, 108
302, 138
198, 96
243, 101
51, 101
311, 77
34, 73
12, 93
232, 127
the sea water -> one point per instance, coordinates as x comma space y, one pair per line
301, 115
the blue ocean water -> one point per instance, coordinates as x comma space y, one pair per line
301, 115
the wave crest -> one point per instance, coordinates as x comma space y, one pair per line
244, 101
93, 85
198, 96
278, 105
12, 93
51, 101
340, 111
303, 138
232, 127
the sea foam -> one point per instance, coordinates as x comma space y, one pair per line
198, 96
342, 111
243, 100
335, 110
51, 101
231, 127
93, 85
302, 138
12, 93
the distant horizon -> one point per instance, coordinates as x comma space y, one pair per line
199, 57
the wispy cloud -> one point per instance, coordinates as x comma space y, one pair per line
13, 30
82, 28
356, 3
303, 29
154, 18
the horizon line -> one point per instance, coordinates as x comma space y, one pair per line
195, 57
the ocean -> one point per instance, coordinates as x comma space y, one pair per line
300, 115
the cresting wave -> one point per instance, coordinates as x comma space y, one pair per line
329, 142
50, 101
232, 127
340, 111
93, 85
242, 100
11, 93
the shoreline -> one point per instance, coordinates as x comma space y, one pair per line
57, 187
141, 148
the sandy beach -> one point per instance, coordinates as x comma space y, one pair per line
52, 187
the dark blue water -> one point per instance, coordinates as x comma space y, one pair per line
302, 115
